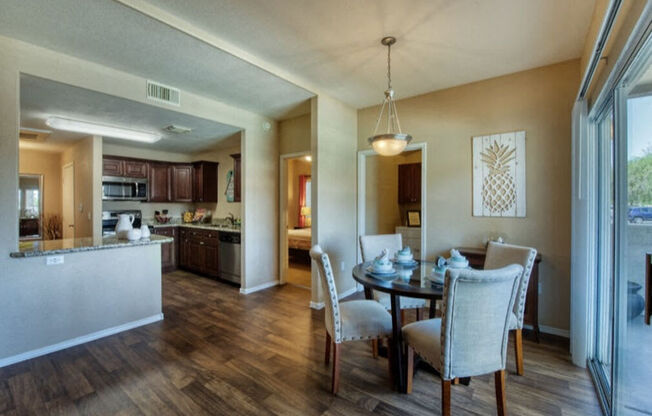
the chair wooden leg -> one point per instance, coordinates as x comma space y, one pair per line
518, 345
410, 368
419, 314
455, 381
446, 397
500, 392
327, 355
374, 348
336, 368
402, 317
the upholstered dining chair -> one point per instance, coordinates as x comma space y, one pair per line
470, 339
500, 255
354, 320
370, 247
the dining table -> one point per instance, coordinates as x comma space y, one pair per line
416, 280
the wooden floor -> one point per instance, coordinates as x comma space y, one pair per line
221, 353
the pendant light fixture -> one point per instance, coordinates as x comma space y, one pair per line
392, 141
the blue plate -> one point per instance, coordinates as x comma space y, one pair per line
406, 263
371, 271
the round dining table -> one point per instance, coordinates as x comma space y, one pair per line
415, 281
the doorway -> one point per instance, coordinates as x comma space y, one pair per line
68, 200
295, 219
392, 196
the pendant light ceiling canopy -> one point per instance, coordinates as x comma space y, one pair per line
392, 141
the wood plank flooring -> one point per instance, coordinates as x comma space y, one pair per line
221, 353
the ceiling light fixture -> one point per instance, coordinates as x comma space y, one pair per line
393, 141
86, 127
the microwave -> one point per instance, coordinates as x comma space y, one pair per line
116, 188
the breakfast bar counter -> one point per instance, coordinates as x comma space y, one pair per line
73, 245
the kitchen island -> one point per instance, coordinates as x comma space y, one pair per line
74, 245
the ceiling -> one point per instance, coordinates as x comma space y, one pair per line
40, 98
441, 43
111, 34
326, 46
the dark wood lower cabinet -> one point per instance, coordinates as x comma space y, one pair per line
199, 251
169, 251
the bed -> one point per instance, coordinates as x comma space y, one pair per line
299, 244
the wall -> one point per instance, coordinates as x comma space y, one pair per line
538, 101
294, 135
296, 168
26, 301
382, 210
334, 188
47, 164
83, 155
222, 156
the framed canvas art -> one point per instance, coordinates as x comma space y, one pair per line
499, 175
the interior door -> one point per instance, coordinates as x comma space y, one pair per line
68, 200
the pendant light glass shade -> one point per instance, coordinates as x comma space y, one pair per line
392, 141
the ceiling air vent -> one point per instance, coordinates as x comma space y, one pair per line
163, 93
173, 128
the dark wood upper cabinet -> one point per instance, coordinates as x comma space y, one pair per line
135, 168
237, 175
205, 181
409, 183
182, 179
159, 182
113, 166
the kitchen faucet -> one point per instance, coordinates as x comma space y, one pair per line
231, 219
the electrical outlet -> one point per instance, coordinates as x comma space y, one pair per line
52, 260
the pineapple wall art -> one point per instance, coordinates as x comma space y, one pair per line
499, 175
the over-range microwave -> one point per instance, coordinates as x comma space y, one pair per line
116, 188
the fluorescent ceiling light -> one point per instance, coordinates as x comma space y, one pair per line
77, 126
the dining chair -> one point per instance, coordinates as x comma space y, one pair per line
370, 247
500, 255
354, 320
470, 338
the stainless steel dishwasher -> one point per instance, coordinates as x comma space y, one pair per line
229, 256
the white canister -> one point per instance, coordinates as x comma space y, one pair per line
133, 234
144, 231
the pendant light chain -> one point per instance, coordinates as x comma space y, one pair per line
389, 67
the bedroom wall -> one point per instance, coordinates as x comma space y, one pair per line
538, 101
296, 168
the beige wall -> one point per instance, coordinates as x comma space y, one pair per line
83, 155
294, 135
223, 157
296, 168
382, 211
47, 164
334, 188
538, 101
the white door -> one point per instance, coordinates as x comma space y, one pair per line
68, 198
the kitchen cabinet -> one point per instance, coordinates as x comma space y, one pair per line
135, 168
199, 251
169, 251
182, 179
237, 174
409, 183
159, 182
112, 166
205, 181
125, 167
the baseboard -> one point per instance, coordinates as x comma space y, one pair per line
316, 305
246, 291
564, 333
79, 340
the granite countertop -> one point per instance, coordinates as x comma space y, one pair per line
198, 226
74, 245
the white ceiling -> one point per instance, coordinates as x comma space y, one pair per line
441, 43
111, 34
40, 98
331, 46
